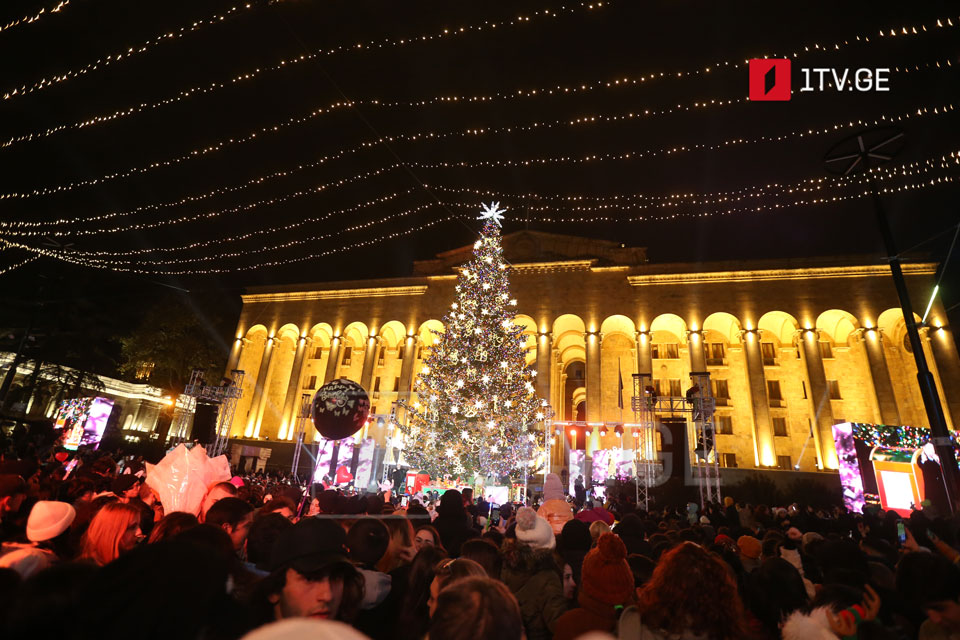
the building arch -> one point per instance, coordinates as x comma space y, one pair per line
392, 334
722, 326
778, 325
618, 324
837, 325
668, 323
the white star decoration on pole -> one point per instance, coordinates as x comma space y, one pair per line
492, 212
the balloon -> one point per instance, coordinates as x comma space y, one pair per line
61, 456
340, 408
343, 475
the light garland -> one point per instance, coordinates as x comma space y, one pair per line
284, 63
81, 258
126, 54
672, 150
30, 19
13, 227
18, 265
208, 215
507, 95
424, 136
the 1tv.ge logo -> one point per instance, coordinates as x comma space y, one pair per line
770, 79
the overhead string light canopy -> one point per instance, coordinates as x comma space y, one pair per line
528, 92
429, 136
35, 17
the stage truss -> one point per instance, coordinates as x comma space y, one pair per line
224, 395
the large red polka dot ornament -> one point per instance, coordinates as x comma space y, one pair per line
340, 408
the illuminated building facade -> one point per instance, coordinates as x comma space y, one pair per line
792, 346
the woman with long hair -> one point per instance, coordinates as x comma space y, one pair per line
113, 531
415, 610
691, 594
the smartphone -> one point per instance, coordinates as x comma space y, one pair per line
70, 467
495, 516
901, 532
404, 501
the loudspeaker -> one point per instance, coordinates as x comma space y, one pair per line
204, 423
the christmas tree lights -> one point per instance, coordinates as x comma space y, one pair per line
476, 410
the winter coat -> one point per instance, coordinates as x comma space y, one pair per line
557, 513
454, 530
631, 627
534, 578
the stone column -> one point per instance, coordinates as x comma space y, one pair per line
259, 389
948, 366
369, 363
410, 346
544, 351
818, 396
235, 352
644, 358
289, 417
934, 367
333, 360
593, 383
760, 405
698, 357
883, 397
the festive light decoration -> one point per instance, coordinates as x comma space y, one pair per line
129, 52
557, 90
283, 63
17, 265
492, 436
13, 227
420, 136
895, 437
78, 257
30, 19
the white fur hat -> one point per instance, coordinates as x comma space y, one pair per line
533, 530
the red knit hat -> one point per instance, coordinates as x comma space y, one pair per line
606, 574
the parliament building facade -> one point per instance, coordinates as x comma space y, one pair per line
792, 346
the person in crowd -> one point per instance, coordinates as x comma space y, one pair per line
533, 576
215, 492
114, 530
468, 505
485, 553
47, 533
401, 550
260, 540
579, 491
774, 591
448, 571
597, 529
426, 535
691, 594
234, 516
126, 487
415, 610
452, 522
838, 611
750, 550
367, 541
172, 524
310, 576
573, 544
930, 584
476, 608
282, 505
555, 508
13, 491
606, 588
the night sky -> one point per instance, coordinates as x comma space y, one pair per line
572, 47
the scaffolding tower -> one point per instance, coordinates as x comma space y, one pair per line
224, 395
699, 405
301, 431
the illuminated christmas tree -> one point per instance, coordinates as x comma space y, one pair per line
476, 410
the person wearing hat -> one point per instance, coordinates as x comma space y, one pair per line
126, 487
310, 575
750, 552
533, 576
607, 587
47, 529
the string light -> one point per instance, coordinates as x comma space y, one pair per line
206, 215
649, 153
29, 19
283, 63
124, 266
421, 136
18, 265
12, 226
126, 54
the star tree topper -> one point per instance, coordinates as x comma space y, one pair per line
492, 212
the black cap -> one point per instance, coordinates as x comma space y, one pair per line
124, 483
309, 546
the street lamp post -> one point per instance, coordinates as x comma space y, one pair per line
861, 152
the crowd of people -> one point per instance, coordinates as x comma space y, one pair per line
88, 551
